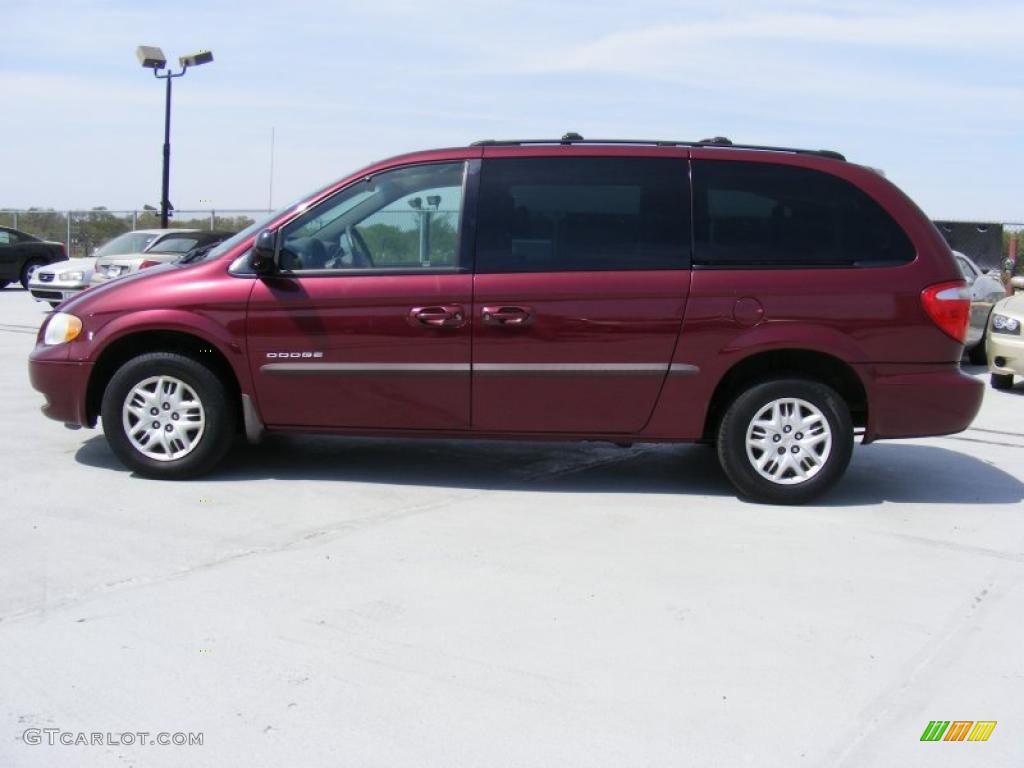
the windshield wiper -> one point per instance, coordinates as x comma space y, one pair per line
201, 251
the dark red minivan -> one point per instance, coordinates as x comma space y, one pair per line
773, 302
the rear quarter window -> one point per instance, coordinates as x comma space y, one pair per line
767, 215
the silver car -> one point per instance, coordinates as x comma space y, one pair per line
986, 289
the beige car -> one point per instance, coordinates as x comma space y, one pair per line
173, 245
1005, 338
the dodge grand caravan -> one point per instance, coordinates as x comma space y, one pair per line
774, 303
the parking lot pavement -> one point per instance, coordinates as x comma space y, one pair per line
331, 601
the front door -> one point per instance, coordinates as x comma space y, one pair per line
582, 276
366, 326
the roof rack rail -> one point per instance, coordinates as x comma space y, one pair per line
717, 141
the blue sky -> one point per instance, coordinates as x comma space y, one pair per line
931, 92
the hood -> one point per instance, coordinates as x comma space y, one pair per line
114, 258
133, 284
1013, 305
85, 263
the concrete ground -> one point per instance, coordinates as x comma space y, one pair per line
330, 601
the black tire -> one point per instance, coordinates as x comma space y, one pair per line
732, 441
26, 271
217, 404
977, 354
1002, 380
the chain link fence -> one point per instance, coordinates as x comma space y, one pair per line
991, 245
81, 231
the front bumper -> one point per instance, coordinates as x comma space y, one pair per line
55, 291
1006, 349
920, 400
63, 383
99, 278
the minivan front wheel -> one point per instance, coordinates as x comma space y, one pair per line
785, 441
167, 416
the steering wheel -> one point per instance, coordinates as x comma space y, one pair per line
360, 251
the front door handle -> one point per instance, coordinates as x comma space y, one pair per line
507, 316
440, 316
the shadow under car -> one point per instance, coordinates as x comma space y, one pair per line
899, 472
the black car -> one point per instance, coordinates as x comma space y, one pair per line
22, 254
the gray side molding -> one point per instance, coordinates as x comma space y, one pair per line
254, 428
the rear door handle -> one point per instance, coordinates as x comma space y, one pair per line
439, 316
507, 316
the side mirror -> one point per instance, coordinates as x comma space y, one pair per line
264, 253
1017, 283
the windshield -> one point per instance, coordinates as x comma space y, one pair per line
129, 242
260, 223
175, 245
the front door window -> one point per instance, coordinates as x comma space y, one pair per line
401, 220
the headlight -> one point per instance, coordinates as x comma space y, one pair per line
61, 329
69, 277
1005, 324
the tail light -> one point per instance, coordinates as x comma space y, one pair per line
949, 307
149, 263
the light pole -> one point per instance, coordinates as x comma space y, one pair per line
153, 58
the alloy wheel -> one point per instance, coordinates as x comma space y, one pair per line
788, 441
163, 418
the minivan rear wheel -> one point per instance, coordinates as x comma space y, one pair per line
785, 441
168, 416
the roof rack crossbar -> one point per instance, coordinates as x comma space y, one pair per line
718, 141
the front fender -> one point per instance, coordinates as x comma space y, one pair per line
228, 337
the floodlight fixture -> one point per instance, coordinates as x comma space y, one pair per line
151, 57
195, 59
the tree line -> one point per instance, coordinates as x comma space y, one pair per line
90, 229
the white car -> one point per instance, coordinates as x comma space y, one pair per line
1005, 338
61, 280
56, 282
